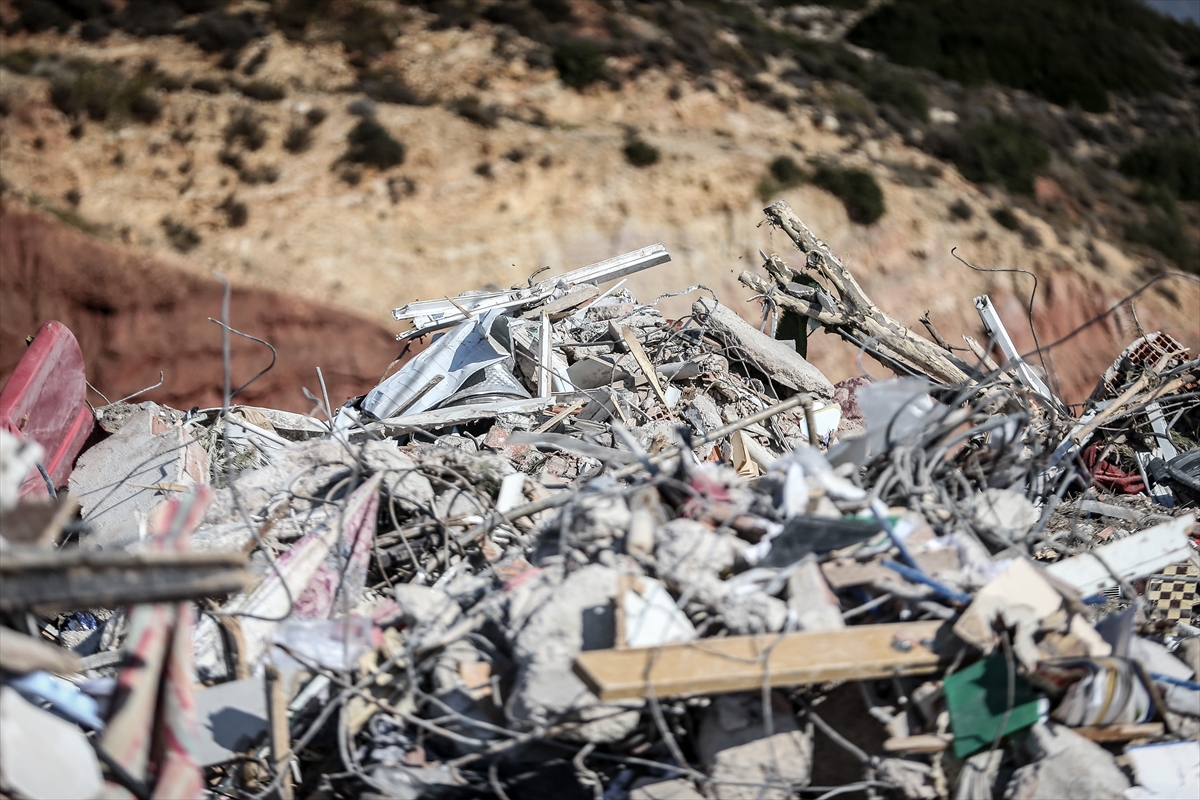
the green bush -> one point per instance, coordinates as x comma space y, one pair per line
20, 61
81, 87
1067, 51
640, 153
298, 138
579, 63
1002, 151
1165, 233
370, 143
899, 91
181, 237
1171, 164
858, 191
1006, 218
786, 172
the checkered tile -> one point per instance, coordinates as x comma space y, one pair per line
1174, 594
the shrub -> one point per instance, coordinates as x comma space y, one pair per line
259, 173
221, 32
298, 138
236, 213
245, 127
1069, 51
858, 190
39, 15
472, 108
960, 210
101, 92
900, 91
579, 63
1006, 218
20, 61
786, 172
388, 87
640, 153
370, 143
1165, 233
181, 237
1003, 151
263, 90
315, 116
1171, 164
209, 85
148, 18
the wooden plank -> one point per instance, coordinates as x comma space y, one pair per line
643, 360
742, 663
936, 743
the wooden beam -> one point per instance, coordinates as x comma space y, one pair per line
742, 663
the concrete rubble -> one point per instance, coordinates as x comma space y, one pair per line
574, 548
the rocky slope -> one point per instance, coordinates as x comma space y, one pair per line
505, 169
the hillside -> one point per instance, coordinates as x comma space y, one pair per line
365, 154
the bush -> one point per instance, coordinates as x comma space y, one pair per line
148, 18
39, 15
20, 61
1006, 218
315, 116
900, 91
960, 210
858, 191
370, 143
786, 172
208, 85
579, 63
236, 213
262, 90
101, 92
1165, 233
640, 153
181, 237
220, 32
245, 127
1171, 164
472, 108
298, 138
1002, 151
1068, 51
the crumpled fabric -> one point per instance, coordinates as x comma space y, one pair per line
1108, 475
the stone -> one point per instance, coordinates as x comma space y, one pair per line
45, 757
658, 789
734, 746
691, 556
756, 612
576, 615
1006, 513
1066, 766
115, 480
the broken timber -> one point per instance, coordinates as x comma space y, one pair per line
63, 580
742, 663
853, 316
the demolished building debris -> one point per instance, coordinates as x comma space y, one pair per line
574, 548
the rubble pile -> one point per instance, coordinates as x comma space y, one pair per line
573, 548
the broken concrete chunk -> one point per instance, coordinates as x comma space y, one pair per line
757, 612
44, 757
658, 789
121, 479
1066, 766
578, 616
734, 746
1005, 513
690, 555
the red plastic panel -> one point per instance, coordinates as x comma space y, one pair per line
44, 400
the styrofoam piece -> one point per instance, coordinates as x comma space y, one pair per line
1141, 554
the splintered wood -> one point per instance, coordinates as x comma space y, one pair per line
742, 663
